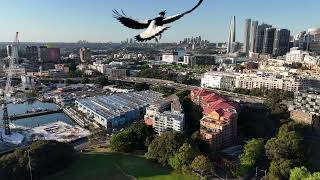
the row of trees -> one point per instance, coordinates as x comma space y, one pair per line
170, 149
45, 158
284, 152
163, 89
175, 150
263, 92
167, 75
101, 80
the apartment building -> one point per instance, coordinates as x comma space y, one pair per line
218, 127
306, 108
230, 81
165, 115
219, 80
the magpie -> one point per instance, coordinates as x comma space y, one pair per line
154, 27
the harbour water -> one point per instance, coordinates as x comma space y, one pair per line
35, 121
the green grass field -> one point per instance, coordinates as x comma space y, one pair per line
111, 166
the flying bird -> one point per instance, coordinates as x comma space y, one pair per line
154, 27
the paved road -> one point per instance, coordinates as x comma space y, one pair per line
234, 96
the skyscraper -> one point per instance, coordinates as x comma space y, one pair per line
85, 55
32, 53
9, 50
281, 42
246, 41
253, 40
232, 34
260, 37
268, 40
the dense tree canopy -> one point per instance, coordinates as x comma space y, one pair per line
182, 160
302, 173
136, 137
201, 164
102, 80
256, 123
286, 150
46, 157
251, 156
163, 90
141, 86
165, 147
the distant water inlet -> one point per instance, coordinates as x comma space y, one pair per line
18, 109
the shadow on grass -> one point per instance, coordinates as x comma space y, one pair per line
113, 166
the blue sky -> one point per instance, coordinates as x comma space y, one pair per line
73, 20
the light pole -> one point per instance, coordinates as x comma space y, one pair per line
29, 164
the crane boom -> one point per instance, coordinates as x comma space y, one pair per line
8, 89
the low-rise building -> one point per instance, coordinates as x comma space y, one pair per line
116, 110
307, 102
170, 57
306, 108
219, 80
164, 115
199, 59
305, 118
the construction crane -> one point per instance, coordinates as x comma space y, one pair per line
9, 89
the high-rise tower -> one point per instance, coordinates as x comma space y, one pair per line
253, 40
281, 42
246, 40
268, 40
260, 37
232, 34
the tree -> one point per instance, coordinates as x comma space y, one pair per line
75, 74
201, 164
252, 155
68, 81
256, 123
85, 80
165, 147
98, 135
285, 151
287, 145
299, 173
136, 137
46, 157
183, 158
123, 142
102, 80
163, 90
141, 86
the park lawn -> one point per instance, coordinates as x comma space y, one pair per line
114, 166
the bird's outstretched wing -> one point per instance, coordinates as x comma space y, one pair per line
152, 32
129, 22
171, 19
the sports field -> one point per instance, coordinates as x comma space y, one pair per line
112, 166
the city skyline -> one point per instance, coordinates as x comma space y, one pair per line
61, 21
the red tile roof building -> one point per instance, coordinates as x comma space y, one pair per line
219, 123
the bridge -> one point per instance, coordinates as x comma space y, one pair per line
34, 114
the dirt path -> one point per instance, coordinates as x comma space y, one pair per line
124, 173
